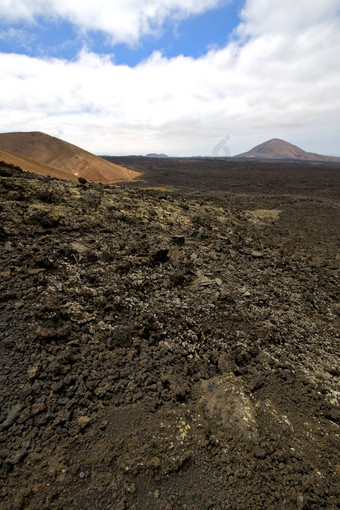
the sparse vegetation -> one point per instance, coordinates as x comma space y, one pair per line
166, 350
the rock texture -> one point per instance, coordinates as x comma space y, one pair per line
167, 349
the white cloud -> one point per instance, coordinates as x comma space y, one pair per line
276, 83
288, 17
124, 20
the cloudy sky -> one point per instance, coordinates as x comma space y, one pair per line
173, 76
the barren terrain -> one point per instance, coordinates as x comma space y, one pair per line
280, 149
171, 343
36, 167
46, 155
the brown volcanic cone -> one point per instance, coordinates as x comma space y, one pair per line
61, 156
30, 165
279, 149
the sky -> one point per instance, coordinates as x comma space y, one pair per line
181, 77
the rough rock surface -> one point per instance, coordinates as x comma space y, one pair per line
167, 349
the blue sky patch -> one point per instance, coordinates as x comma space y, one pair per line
193, 37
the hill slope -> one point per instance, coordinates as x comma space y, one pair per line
63, 156
30, 165
280, 149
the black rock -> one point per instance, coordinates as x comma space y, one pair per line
179, 240
12, 416
160, 256
121, 336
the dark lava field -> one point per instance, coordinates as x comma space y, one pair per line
171, 343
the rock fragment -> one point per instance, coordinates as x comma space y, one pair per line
84, 421
12, 416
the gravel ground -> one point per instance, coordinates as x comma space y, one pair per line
170, 347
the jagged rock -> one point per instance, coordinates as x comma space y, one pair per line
141, 360
12, 416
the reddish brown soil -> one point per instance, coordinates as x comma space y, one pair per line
51, 156
30, 165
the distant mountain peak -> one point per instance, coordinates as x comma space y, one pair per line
275, 148
155, 155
